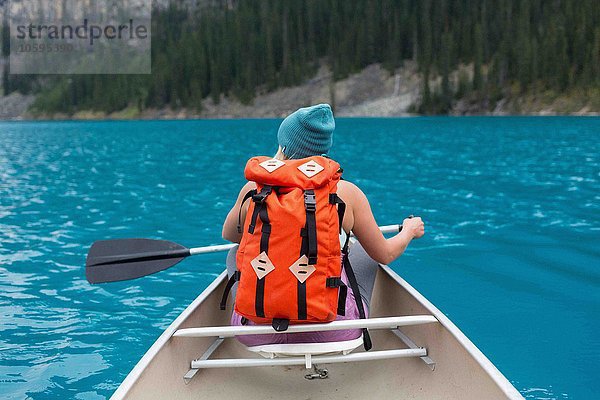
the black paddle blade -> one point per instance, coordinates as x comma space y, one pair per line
123, 259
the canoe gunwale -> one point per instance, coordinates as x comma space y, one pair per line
147, 358
371, 323
503, 383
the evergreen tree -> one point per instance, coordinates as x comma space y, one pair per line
562, 60
595, 58
426, 102
446, 97
523, 42
478, 59
243, 47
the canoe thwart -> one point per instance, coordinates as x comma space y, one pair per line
325, 359
371, 323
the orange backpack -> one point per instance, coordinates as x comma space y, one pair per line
290, 259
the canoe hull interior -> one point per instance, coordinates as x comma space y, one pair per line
461, 372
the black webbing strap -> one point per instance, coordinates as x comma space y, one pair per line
343, 292
336, 282
249, 194
265, 229
310, 204
346, 244
259, 302
335, 199
301, 286
302, 313
255, 212
342, 299
259, 200
355, 289
234, 278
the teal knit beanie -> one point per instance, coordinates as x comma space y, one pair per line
307, 132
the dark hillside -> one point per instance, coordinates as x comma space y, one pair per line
241, 48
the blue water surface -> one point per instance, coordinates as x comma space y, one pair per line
511, 254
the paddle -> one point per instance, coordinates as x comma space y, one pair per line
123, 259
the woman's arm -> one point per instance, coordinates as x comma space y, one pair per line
230, 231
367, 232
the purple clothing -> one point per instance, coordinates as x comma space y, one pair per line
307, 337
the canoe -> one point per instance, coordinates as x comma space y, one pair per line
422, 356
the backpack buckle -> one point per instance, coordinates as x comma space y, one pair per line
262, 195
310, 202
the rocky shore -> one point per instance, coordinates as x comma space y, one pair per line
14, 106
373, 92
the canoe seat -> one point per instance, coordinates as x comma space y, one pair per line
301, 349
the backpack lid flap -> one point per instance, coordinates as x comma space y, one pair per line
305, 173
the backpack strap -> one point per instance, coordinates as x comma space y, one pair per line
310, 204
301, 286
237, 274
342, 299
258, 199
355, 289
234, 278
248, 194
335, 199
336, 282
260, 209
308, 247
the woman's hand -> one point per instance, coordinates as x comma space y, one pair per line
414, 226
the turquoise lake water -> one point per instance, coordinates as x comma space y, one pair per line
511, 253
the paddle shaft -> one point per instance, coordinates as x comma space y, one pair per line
226, 247
124, 259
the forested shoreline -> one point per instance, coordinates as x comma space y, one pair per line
241, 48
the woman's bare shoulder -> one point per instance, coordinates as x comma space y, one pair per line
347, 185
248, 186
245, 189
354, 198
349, 189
